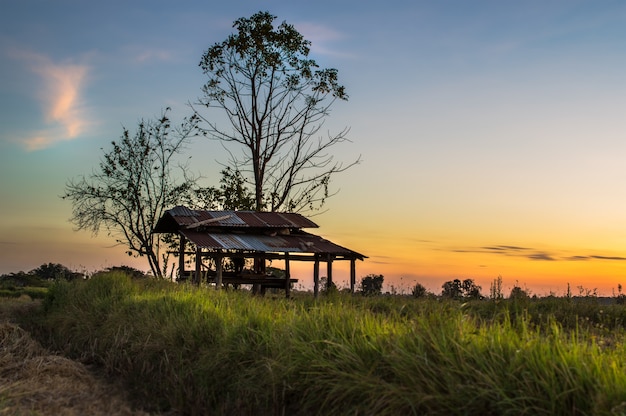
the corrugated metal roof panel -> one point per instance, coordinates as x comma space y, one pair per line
181, 211
227, 218
266, 243
185, 216
298, 220
202, 240
274, 219
251, 219
232, 242
296, 243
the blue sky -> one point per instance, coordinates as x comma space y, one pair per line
481, 124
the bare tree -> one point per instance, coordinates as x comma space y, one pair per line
275, 99
134, 185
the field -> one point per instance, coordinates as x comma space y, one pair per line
187, 350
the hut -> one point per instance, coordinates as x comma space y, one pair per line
233, 247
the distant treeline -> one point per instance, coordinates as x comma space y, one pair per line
13, 284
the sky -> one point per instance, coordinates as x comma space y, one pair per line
492, 133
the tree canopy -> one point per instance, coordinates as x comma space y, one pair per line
275, 99
134, 185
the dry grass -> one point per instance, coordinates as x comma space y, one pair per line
35, 382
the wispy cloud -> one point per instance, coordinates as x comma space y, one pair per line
61, 99
541, 257
594, 257
140, 54
533, 253
321, 38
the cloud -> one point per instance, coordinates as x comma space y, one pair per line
533, 253
608, 258
576, 258
320, 37
505, 248
143, 55
60, 96
517, 251
541, 256
595, 257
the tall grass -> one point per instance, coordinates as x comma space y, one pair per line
205, 352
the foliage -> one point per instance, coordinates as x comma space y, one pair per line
620, 298
21, 279
419, 291
496, 289
452, 289
34, 283
52, 271
518, 293
232, 194
126, 270
372, 284
328, 287
193, 351
275, 99
133, 187
457, 289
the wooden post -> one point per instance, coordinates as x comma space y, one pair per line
181, 257
198, 265
218, 270
258, 268
329, 272
287, 276
316, 277
352, 274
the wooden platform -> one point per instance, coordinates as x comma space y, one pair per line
262, 280
266, 281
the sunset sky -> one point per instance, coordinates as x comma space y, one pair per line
492, 133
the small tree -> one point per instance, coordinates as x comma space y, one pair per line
471, 290
133, 187
372, 284
419, 291
452, 289
620, 299
326, 287
275, 99
518, 293
496, 289
457, 289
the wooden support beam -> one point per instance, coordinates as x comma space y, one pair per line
329, 271
287, 277
218, 270
316, 277
181, 257
352, 274
198, 265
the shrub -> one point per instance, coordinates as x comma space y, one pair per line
518, 293
419, 291
372, 284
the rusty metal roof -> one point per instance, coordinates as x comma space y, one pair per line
301, 242
181, 217
249, 231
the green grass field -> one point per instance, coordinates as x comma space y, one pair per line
201, 351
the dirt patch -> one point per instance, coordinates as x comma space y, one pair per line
33, 381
